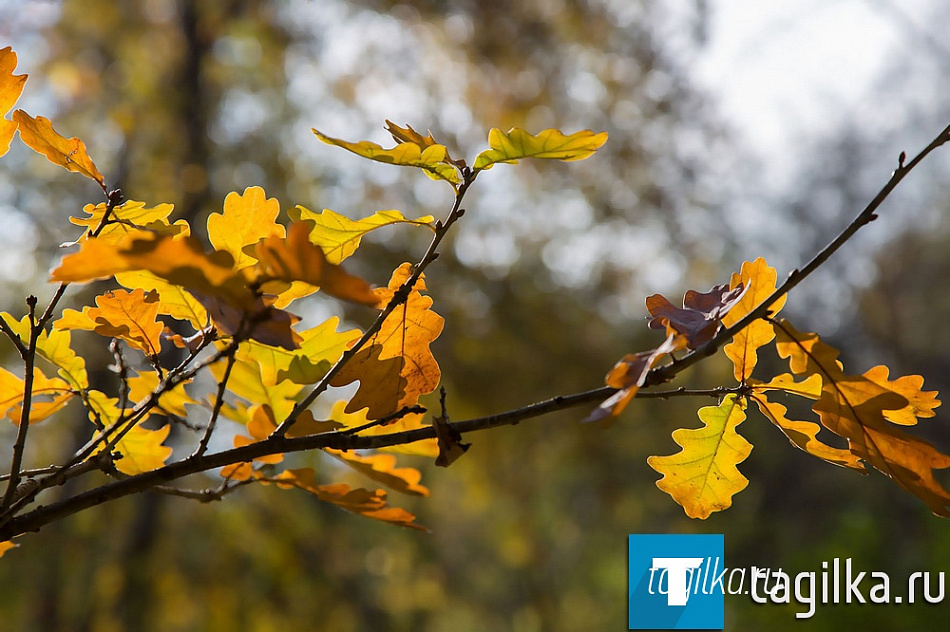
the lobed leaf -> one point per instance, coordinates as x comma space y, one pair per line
399, 355
39, 135
339, 236
245, 220
49, 395
128, 316
412, 421
758, 279
11, 86
699, 317
703, 476
382, 469
510, 147
433, 159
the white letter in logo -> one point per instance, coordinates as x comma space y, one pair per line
677, 574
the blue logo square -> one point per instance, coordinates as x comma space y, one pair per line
676, 582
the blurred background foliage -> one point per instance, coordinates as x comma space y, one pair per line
542, 288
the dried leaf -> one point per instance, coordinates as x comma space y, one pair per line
39, 135
703, 476
450, 442
516, 144
699, 318
629, 374
382, 385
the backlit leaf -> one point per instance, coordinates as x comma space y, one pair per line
173, 300
803, 435
246, 219
516, 144
703, 477
759, 280
364, 502
127, 217
405, 335
864, 410
39, 135
297, 259
129, 316
172, 401
49, 396
6, 546
433, 159
413, 421
629, 374
11, 86
382, 469
142, 450
339, 236
699, 317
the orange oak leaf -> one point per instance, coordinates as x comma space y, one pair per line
699, 317
306, 425
382, 385
703, 476
129, 316
39, 135
629, 374
6, 546
803, 435
364, 502
11, 86
759, 280
260, 426
382, 469
865, 410
297, 259
405, 335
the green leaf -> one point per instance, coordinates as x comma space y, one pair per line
433, 159
551, 143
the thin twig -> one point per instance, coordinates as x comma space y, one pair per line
20, 443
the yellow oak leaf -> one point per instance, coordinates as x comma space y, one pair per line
260, 425
511, 146
53, 346
809, 387
297, 259
703, 476
433, 159
320, 347
11, 86
382, 469
759, 280
171, 401
306, 426
173, 300
49, 396
412, 421
339, 236
129, 316
246, 219
39, 135
128, 216
254, 383
142, 450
